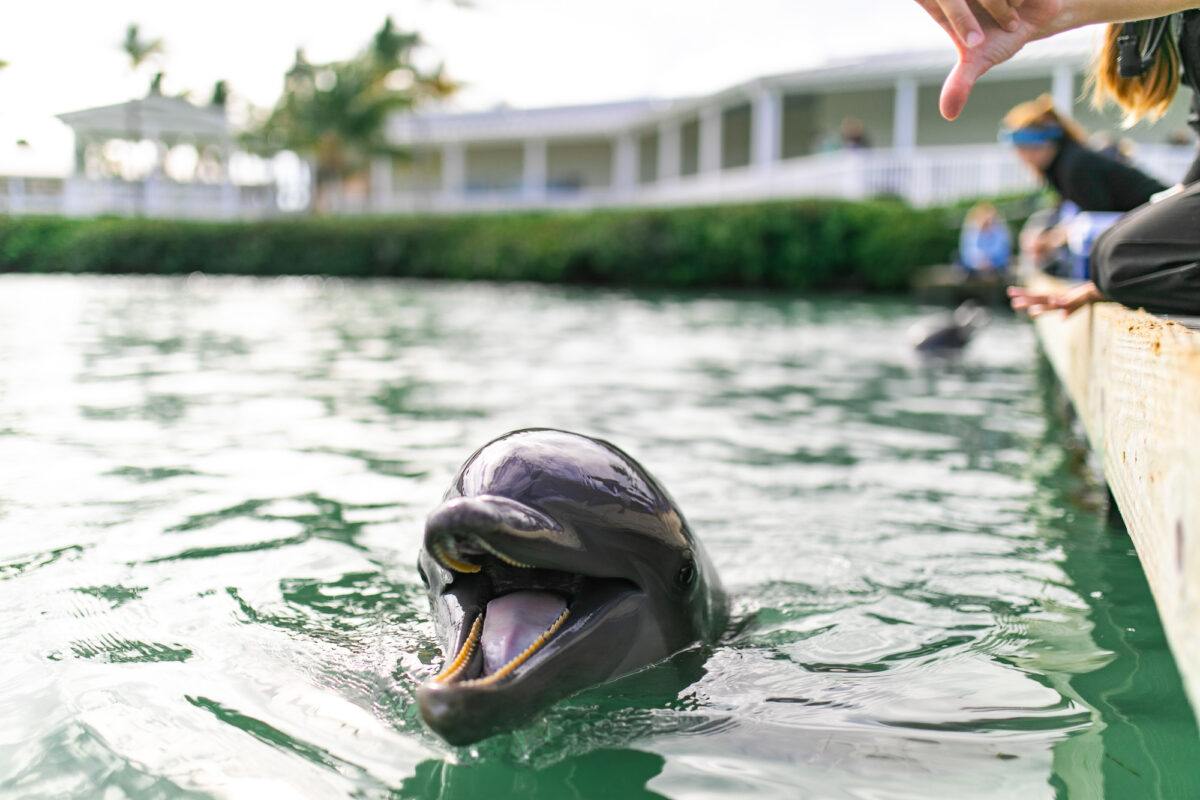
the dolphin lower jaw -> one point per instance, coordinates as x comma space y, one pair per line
599, 635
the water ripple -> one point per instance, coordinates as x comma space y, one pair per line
216, 490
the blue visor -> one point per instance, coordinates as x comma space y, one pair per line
1030, 137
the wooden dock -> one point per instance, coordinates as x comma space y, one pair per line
1134, 380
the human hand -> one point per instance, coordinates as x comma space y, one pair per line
1037, 303
1043, 243
987, 33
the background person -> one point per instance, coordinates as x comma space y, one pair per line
853, 134
985, 245
1151, 257
1055, 147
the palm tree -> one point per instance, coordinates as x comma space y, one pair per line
335, 113
220, 94
140, 50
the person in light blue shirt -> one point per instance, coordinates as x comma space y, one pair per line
985, 245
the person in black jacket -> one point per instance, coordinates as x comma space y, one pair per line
1055, 147
1151, 257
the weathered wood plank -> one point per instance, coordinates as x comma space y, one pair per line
1135, 381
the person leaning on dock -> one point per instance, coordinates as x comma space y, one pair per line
1055, 147
1151, 258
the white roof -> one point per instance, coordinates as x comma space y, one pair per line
506, 124
608, 119
167, 119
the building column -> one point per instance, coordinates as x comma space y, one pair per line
454, 168
766, 127
381, 183
230, 194
80, 155
710, 139
670, 150
534, 169
904, 114
150, 199
625, 163
1062, 89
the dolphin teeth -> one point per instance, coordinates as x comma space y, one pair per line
465, 653
508, 668
510, 561
456, 564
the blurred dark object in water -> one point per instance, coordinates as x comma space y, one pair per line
949, 333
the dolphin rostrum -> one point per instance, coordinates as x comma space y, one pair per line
555, 563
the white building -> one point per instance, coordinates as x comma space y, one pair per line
155, 156
772, 137
765, 138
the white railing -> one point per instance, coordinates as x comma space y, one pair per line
922, 176
19, 195
81, 197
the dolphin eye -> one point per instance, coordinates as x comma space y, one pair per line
687, 575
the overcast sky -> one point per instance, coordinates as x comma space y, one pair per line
65, 55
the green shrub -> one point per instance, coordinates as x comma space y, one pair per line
795, 246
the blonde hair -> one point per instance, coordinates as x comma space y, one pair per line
1145, 97
1041, 113
980, 212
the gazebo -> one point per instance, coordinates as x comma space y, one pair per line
99, 185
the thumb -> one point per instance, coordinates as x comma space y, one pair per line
959, 84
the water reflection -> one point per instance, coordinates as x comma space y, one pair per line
1114, 659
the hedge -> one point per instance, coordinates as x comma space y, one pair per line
800, 245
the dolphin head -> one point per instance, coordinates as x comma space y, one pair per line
556, 562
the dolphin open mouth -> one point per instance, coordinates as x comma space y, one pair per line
520, 609
528, 616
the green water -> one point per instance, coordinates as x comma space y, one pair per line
213, 493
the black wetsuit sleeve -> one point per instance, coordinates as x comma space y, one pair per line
1095, 182
1088, 186
1151, 258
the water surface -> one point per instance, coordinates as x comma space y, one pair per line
214, 489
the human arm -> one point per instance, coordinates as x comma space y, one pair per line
990, 32
1037, 303
1042, 243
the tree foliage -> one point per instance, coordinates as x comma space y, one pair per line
139, 49
220, 94
804, 245
335, 113
143, 51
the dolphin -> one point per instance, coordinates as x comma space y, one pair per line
555, 563
950, 333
